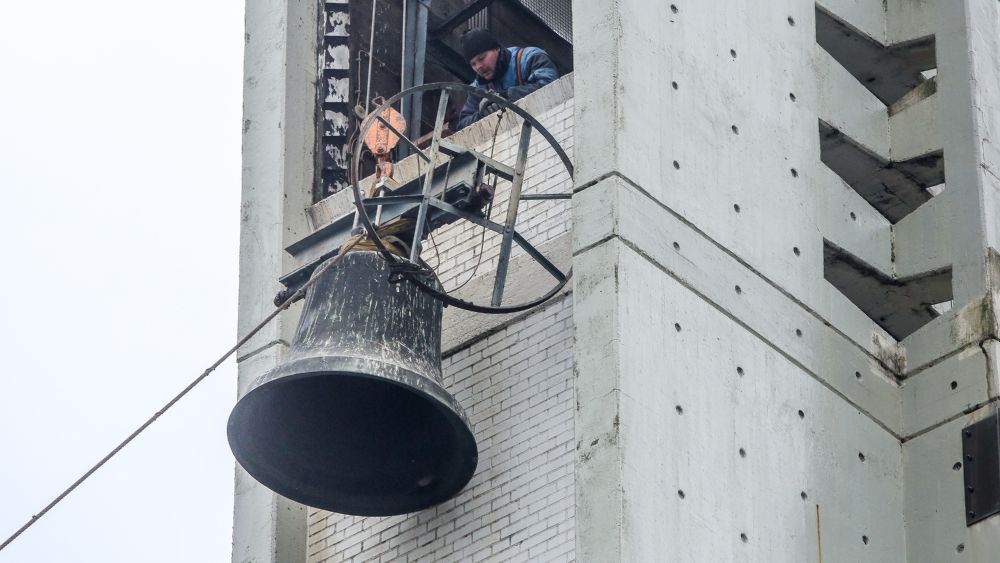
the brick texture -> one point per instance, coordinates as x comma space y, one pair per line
516, 387
514, 383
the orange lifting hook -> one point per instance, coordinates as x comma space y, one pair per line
380, 140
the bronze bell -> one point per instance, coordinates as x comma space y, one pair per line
356, 420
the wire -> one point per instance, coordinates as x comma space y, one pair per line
444, 186
437, 257
489, 208
284, 305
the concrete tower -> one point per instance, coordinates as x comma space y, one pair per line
784, 236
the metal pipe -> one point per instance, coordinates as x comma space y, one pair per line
402, 57
371, 47
419, 57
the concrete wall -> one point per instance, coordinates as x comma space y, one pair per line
726, 401
732, 403
278, 133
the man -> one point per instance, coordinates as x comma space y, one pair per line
512, 73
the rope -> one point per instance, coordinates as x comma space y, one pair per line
387, 234
284, 305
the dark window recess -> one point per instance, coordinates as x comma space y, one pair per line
334, 100
981, 456
343, 56
556, 14
480, 19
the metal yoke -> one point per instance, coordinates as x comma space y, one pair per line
433, 202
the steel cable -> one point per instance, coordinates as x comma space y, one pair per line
246, 338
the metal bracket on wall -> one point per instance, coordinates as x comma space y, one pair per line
981, 457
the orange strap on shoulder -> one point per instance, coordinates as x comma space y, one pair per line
517, 62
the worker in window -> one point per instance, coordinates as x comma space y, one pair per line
512, 73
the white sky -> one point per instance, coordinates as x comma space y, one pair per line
119, 221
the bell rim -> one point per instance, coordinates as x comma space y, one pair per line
404, 378
361, 367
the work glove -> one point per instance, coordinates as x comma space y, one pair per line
487, 106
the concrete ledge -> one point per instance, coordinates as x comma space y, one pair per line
851, 223
920, 244
849, 107
888, 71
899, 305
950, 333
462, 328
915, 125
775, 317
866, 16
945, 391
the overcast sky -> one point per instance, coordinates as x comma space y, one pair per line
119, 222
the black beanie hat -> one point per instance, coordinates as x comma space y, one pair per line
476, 41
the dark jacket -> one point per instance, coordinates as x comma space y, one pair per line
537, 70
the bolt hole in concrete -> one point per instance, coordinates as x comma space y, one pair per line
673, 8
864, 540
743, 453
732, 53
960, 548
802, 414
736, 207
861, 456
739, 371
795, 173
739, 290
857, 375
798, 332
803, 495
674, 85
677, 327
679, 409
853, 216
744, 538
677, 165
677, 246
796, 250
957, 466
791, 21
954, 385
736, 130
680, 493
791, 96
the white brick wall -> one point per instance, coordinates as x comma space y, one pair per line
454, 251
515, 385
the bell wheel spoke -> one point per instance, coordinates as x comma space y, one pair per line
540, 258
421, 225
390, 199
446, 169
462, 214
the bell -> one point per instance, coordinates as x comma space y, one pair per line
356, 420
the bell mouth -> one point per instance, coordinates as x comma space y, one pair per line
368, 444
